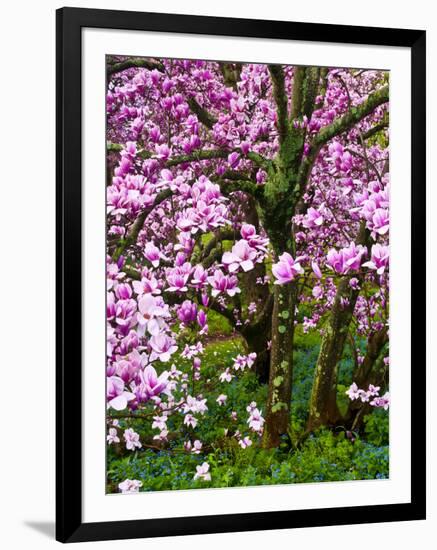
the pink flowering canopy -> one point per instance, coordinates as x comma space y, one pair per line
247, 268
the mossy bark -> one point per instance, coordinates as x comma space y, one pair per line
281, 365
323, 402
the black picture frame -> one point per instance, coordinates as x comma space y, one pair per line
69, 23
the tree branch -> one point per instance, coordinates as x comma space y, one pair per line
355, 115
231, 73
117, 148
224, 235
202, 114
138, 224
134, 62
278, 80
342, 124
372, 131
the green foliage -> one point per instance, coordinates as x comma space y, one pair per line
377, 427
218, 324
326, 455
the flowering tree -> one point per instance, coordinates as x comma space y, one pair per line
259, 193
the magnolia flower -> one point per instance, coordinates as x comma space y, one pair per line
116, 395
286, 269
226, 376
221, 399
112, 436
316, 270
152, 312
130, 486
147, 285
187, 312
132, 439
200, 276
222, 283
159, 422
346, 259
162, 347
317, 292
151, 384
177, 280
242, 255
195, 448
162, 152
379, 259
190, 420
245, 442
248, 232
233, 159
202, 472
256, 421
251, 406
152, 253
383, 401
243, 361
353, 392
313, 218
373, 390
380, 221
195, 405
162, 436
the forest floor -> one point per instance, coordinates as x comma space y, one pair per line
327, 455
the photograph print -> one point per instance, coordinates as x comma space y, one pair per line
247, 250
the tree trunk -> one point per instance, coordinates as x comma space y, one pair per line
371, 371
257, 336
281, 365
323, 403
375, 345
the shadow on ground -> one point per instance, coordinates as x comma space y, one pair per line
46, 528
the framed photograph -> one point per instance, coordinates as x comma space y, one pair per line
240, 282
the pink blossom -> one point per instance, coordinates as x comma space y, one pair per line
147, 285
313, 218
222, 283
199, 277
346, 259
152, 253
151, 385
112, 436
226, 376
152, 312
190, 420
383, 402
194, 447
162, 347
286, 269
316, 270
130, 486
116, 395
202, 472
380, 221
379, 259
187, 312
256, 421
245, 442
132, 439
242, 255
221, 399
